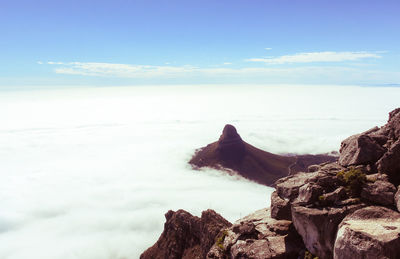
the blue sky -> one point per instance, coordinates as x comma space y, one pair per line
199, 42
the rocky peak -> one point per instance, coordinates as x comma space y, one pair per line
186, 236
231, 152
230, 144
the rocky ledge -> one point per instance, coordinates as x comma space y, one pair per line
345, 209
231, 152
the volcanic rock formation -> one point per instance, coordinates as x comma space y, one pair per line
231, 152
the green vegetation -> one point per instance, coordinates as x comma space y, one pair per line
308, 255
353, 180
321, 198
220, 240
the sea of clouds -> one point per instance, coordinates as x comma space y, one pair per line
90, 172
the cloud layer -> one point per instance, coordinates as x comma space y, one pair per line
290, 74
325, 56
89, 173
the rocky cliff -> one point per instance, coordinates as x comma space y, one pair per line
231, 152
344, 209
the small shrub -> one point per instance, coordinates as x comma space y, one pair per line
353, 180
308, 255
220, 240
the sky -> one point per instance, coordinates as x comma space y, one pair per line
66, 43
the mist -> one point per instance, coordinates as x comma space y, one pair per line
90, 172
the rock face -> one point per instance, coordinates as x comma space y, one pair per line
360, 149
186, 236
318, 226
397, 198
379, 148
379, 192
369, 233
231, 152
390, 162
258, 236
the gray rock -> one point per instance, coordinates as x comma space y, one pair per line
379, 192
318, 226
336, 196
186, 236
397, 198
390, 163
313, 168
376, 177
280, 208
360, 149
309, 194
258, 236
369, 233
288, 187
332, 168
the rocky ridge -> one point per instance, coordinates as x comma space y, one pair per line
231, 152
344, 209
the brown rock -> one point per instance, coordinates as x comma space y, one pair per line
369, 233
390, 163
318, 226
397, 198
258, 236
232, 153
333, 198
280, 207
360, 149
186, 236
379, 192
288, 187
308, 194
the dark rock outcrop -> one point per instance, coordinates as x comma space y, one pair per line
186, 236
280, 207
231, 152
258, 236
378, 148
369, 233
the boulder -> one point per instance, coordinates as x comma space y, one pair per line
313, 168
379, 192
309, 194
258, 236
360, 149
390, 163
369, 233
334, 198
280, 207
186, 236
392, 128
288, 187
318, 226
397, 198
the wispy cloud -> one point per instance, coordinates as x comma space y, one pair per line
267, 48
325, 56
302, 74
118, 70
